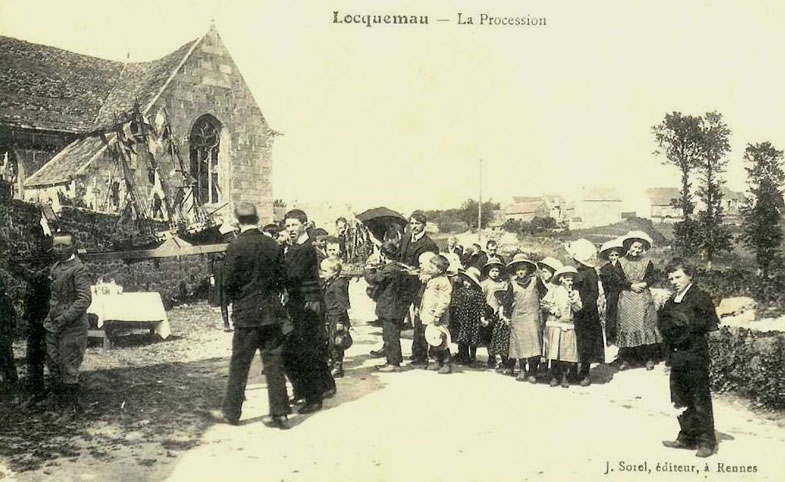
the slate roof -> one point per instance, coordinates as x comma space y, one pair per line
49, 88
526, 199
142, 82
524, 208
728, 194
661, 196
69, 162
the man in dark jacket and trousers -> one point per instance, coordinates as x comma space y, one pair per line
305, 357
685, 321
391, 306
254, 276
413, 244
66, 323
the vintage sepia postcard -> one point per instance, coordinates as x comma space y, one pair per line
502, 240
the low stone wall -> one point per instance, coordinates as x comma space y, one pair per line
176, 279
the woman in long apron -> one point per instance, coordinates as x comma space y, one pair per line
638, 337
523, 305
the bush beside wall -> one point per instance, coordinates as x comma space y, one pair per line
750, 363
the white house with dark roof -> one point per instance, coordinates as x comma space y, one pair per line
596, 206
661, 204
57, 109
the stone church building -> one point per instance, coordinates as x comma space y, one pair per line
59, 113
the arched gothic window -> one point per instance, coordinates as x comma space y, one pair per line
205, 144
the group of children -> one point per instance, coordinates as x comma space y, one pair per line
524, 311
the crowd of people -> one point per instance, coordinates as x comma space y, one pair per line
290, 302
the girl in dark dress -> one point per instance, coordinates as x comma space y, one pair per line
468, 307
588, 327
611, 276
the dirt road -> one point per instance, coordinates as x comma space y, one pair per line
143, 424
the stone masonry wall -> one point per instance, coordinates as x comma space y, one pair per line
209, 83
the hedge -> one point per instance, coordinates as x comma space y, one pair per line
750, 363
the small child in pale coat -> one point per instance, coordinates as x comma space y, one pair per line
434, 307
561, 304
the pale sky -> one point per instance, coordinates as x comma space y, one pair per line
400, 115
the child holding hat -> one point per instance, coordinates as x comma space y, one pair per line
588, 327
434, 308
638, 336
494, 283
611, 277
522, 308
562, 303
468, 305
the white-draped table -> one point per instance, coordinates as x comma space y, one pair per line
128, 311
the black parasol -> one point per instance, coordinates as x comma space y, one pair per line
383, 223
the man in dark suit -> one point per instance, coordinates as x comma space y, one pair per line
684, 322
413, 244
306, 356
254, 277
491, 251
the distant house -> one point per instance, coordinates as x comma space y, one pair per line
526, 208
731, 202
661, 207
596, 206
558, 208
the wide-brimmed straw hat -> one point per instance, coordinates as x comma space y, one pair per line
550, 262
641, 236
562, 271
520, 259
583, 251
437, 336
608, 246
472, 274
492, 262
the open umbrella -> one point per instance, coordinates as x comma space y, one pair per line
383, 223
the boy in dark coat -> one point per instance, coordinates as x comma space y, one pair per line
391, 305
66, 323
336, 310
306, 353
685, 321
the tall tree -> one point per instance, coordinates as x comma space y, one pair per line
713, 235
762, 211
678, 138
469, 212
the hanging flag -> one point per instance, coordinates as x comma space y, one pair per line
45, 226
160, 121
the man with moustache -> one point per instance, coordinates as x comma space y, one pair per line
413, 244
